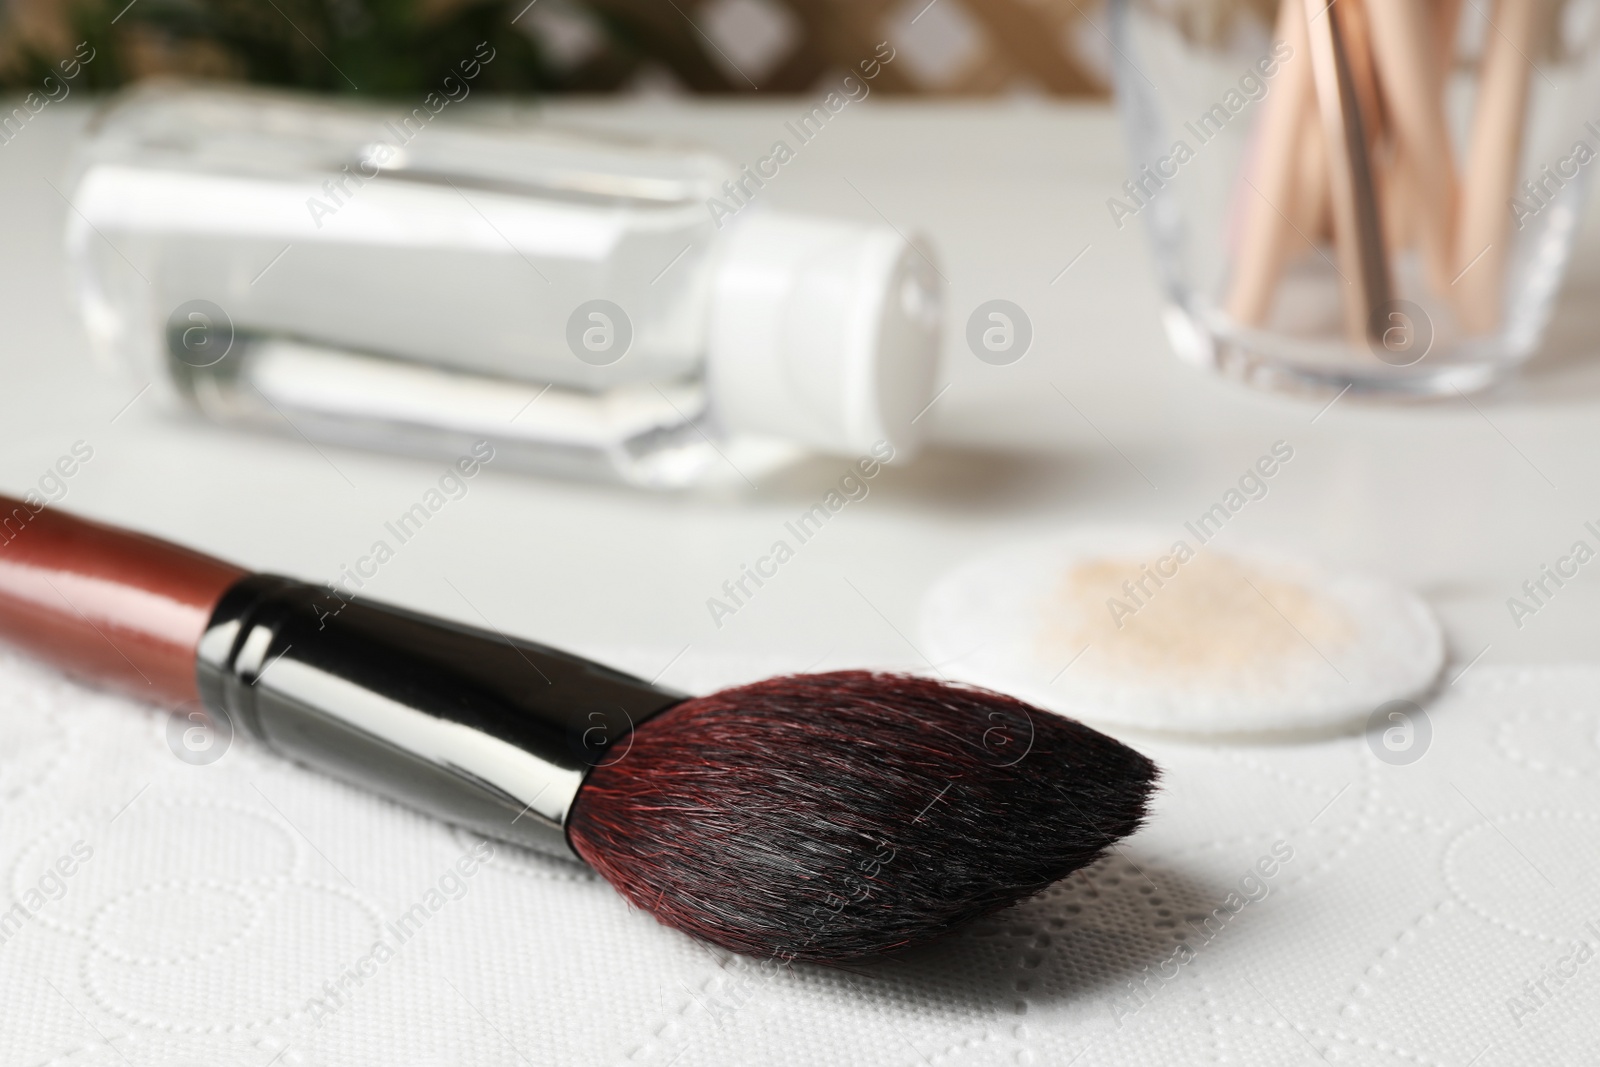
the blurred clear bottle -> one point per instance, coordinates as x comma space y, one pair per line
392, 280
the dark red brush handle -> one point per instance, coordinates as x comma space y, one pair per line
480, 729
118, 608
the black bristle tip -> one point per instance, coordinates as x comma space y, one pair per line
831, 817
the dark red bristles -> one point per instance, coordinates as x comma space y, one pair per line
828, 817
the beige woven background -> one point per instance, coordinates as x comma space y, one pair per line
961, 47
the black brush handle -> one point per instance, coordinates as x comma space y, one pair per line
486, 731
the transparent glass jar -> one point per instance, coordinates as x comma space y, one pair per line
1382, 198
594, 307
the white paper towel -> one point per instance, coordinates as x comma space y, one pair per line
223, 902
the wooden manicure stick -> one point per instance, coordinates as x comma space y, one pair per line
1407, 57
1357, 226
1387, 164
1310, 214
1493, 157
1357, 28
1446, 25
1265, 236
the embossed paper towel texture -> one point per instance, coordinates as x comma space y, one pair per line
1287, 903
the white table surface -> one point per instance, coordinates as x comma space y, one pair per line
1460, 502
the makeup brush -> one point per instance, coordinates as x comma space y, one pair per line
822, 817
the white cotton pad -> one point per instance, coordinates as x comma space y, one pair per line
1134, 628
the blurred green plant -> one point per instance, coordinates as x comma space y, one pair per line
378, 47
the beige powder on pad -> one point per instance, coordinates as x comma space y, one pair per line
1128, 626
1216, 618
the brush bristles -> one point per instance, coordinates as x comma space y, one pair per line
828, 817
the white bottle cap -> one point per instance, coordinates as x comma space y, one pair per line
823, 333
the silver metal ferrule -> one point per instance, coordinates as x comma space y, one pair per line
492, 733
